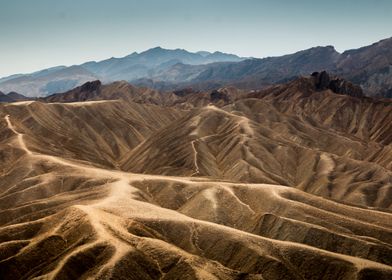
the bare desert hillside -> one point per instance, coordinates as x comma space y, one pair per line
118, 182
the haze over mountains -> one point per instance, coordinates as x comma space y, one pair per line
369, 67
11, 97
114, 181
129, 68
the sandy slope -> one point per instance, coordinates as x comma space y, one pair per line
251, 141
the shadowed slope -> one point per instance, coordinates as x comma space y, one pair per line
365, 118
98, 132
251, 141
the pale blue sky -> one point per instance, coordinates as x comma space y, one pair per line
36, 34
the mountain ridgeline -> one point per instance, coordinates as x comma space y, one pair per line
129, 68
12, 97
162, 69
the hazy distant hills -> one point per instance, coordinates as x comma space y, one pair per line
252, 73
12, 97
370, 67
57, 79
129, 68
141, 65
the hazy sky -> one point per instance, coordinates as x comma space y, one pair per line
36, 34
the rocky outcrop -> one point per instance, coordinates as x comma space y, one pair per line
91, 86
87, 91
323, 81
184, 91
12, 97
217, 95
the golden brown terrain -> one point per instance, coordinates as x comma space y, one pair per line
285, 183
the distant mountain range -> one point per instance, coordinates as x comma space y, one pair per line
370, 67
132, 67
95, 90
11, 97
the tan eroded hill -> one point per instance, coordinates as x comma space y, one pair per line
257, 186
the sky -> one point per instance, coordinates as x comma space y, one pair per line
37, 34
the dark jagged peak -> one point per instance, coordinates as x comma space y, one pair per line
226, 95
87, 91
91, 86
120, 90
184, 91
16, 96
317, 85
323, 81
4, 97
217, 95
12, 97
